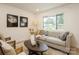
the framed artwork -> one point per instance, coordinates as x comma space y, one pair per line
23, 21
12, 20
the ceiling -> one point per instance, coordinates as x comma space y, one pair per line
36, 7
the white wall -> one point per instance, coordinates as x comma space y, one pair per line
16, 33
71, 18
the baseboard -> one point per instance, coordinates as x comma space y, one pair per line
77, 49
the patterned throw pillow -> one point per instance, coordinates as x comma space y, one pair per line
63, 36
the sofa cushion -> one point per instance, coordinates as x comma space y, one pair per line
54, 40
7, 49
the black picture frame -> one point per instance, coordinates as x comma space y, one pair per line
23, 21
12, 20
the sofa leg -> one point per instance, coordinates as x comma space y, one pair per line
67, 53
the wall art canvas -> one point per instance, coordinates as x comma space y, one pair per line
23, 21
12, 20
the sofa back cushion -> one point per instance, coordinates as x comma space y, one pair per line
53, 34
58, 34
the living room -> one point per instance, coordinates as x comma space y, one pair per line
35, 14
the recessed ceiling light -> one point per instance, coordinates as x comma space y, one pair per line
37, 9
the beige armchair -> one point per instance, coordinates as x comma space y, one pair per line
6, 49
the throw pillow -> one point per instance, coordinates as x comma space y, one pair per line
32, 39
63, 36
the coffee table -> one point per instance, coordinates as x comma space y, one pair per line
39, 48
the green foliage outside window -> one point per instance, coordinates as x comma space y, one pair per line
53, 22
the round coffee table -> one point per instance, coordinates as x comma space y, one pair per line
41, 47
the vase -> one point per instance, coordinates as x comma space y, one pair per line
32, 39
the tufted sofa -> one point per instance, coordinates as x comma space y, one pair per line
52, 39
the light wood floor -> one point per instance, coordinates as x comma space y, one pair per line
51, 51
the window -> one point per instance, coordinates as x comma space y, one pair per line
53, 22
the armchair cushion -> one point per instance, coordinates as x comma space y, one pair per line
7, 49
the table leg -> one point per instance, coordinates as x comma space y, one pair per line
29, 52
41, 53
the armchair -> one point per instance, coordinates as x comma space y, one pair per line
6, 49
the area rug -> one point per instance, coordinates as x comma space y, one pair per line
51, 51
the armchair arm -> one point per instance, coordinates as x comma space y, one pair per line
12, 43
2, 37
1, 50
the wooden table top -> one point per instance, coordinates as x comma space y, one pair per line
41, 47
